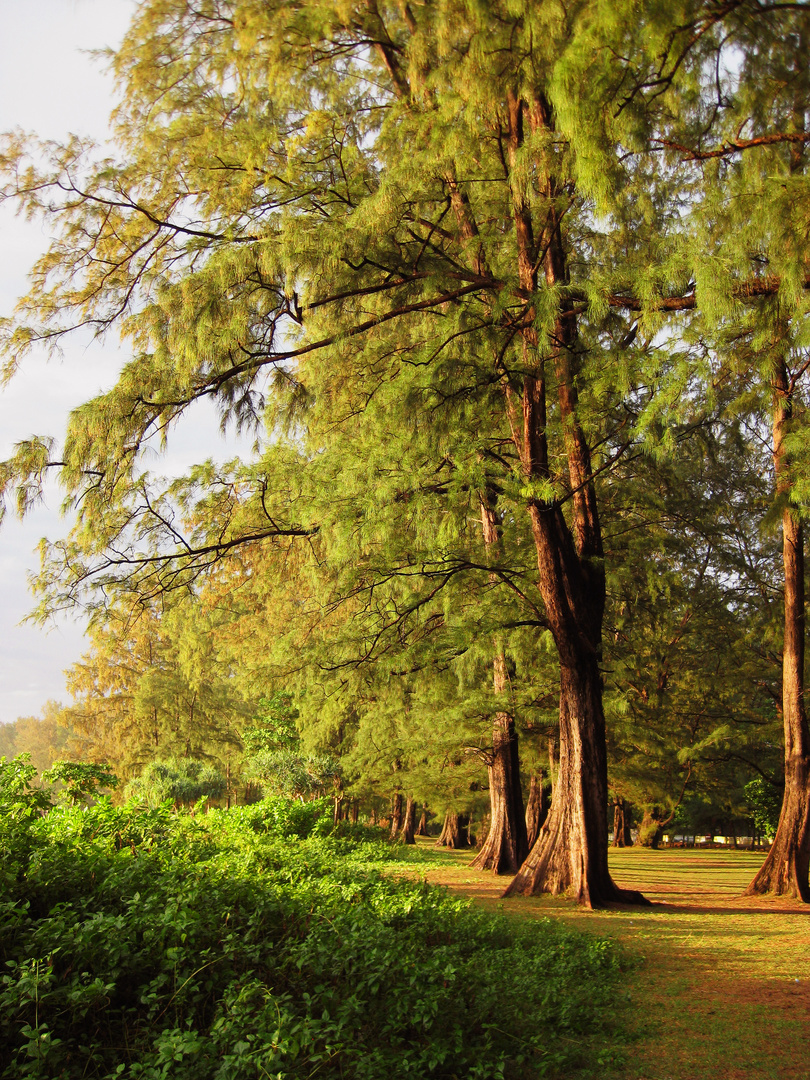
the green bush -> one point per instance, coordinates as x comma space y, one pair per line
242, 944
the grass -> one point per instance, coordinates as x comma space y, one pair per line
722, 987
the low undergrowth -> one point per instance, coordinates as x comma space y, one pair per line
260, 943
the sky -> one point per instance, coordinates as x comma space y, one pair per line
51, 86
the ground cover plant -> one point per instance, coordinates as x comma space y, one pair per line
259, 942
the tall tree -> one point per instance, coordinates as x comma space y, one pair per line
752, 224
152, 686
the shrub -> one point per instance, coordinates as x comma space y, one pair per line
183, 781
242, 944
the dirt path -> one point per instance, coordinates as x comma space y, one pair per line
723, 988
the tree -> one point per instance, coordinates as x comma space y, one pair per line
506, 845
44, 738
153, 685
753, 224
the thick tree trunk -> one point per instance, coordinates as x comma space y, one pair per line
536, 809
396, 814
421, 828
785, 870
570, 855
454, 831
409, 822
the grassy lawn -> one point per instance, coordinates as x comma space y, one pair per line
721, 988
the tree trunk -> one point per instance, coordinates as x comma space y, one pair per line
785, 870
570, 854
622, 823
627, 822
355, 811
421, 828
454, 831
396, 814
506, 845
479, 836
409, 822
536, 809
618, 824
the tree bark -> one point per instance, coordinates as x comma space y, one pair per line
409, 822
421, 828
536, 809
396, 814
454, 831
785, 870
506, 845
570, 854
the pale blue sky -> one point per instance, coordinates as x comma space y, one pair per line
49, 85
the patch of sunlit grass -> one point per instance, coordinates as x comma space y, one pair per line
722, 991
